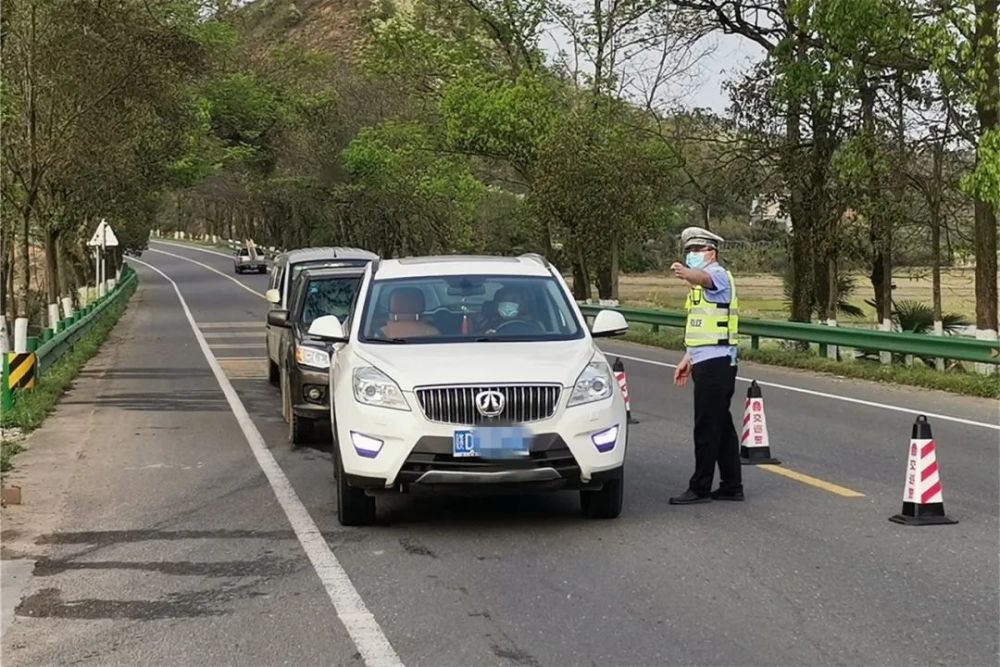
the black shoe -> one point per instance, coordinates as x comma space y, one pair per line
689, 497
728, 495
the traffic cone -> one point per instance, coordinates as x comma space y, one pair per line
619, 369
755, 446
923, 503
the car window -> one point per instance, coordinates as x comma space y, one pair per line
329, 296
468, 309
244, 252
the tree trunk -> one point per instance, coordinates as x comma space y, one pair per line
67, 286
581, 280
988, 110
51, 266
935, 220
802, 252
25, 247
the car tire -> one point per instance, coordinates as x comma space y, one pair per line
605, 503
354, 506
300, 429
273, 372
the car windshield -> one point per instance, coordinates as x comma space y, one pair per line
449, 309
244, 252
329, 296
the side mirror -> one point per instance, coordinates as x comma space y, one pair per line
278, 318
328, 328
608, 323
273, 296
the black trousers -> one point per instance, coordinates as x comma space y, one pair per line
715, 439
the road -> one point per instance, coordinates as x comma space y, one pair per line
175, 543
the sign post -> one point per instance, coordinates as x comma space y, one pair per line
103, 238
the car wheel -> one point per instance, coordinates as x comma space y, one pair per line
273, 372
300, 429
354, 506
607, 502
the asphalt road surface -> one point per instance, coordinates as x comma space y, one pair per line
182, 538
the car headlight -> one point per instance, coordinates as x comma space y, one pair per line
312, 357
373, 387
594, 384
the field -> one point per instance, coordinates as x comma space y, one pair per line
761, 294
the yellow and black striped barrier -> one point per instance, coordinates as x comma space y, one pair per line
21, 370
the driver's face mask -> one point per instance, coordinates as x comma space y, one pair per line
508, 309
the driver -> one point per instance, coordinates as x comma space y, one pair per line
508, 305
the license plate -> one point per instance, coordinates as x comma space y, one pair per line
492, 442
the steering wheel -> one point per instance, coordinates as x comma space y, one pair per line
525, 327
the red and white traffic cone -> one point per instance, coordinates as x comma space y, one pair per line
923, 503
755, 445
619, 369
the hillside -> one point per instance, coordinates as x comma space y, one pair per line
332, 26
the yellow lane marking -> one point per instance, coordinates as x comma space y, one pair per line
812, 481
231, 325
210, 268
244, 368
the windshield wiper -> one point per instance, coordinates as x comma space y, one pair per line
506, 339
388, 341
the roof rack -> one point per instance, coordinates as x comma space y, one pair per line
537, 257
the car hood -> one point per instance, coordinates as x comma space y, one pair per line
414, 365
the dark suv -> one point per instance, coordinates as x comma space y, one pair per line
304, 362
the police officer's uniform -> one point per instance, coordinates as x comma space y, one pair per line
710, 336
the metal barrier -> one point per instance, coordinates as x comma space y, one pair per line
918, 345
54, 343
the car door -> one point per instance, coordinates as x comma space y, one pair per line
274, 333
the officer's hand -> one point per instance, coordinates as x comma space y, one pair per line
683, 372
679, 270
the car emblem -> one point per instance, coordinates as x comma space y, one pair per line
490, 403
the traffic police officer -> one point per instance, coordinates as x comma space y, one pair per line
710, 360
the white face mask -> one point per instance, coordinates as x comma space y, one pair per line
696, 260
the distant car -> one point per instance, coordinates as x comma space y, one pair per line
472, 374
243, 262
284, 270
303, 361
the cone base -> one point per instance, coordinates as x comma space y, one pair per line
751, 456
931, 514
922, 520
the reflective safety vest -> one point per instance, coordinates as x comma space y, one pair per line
711, 323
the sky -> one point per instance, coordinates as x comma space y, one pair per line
731, 55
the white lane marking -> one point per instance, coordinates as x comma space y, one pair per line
191, 246
210, 268
835, 397
361, 625
236, 346
243, 324
235, 334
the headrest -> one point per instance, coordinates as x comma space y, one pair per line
406, 301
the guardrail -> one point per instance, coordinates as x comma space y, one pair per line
55, 342
919, 345
269, 252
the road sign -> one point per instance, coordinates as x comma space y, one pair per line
103, 236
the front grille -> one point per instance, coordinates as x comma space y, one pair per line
457, 405
417, 463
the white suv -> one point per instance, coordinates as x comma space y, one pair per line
472, 373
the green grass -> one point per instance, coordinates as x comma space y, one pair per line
7, 451
956, 381
31, 408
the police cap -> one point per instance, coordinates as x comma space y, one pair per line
697, 236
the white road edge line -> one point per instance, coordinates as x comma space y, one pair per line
835, 397
192, 246
361, 625
205, 266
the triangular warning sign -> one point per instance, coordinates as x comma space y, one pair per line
103, 236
